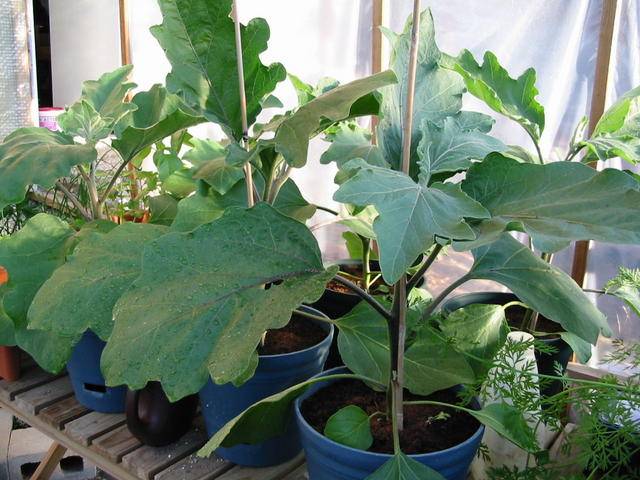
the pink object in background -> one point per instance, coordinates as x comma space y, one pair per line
49, 118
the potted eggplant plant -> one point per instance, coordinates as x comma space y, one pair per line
387, 347
258, 307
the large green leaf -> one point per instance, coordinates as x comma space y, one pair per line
350, 426
292, 136
410, 214
199, 40
542, 286
403, 467
80, 295
479, 330
159, 115
349, 142
102, 105
514, 98
194, 297
197, 210
438, 92
509, 422
30, 256
452, 147
431, 364
37, 156
210, 160
558, 202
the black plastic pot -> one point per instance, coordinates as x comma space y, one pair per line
154, 420
546, 362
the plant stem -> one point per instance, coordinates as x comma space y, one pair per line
364, 295
438, 300
423, 269
278, 183
537, 145
112, 182
90, 180
74, 200
366, 256
311, 316
248, 173
328, 210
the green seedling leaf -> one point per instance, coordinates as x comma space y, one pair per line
163, 209
37, 156
350, 426
555, 203
159, 115
410, 214
80, 295
340, 103
509, 422
193, 296
514, 98
198, 38
403, 467
541, 286
626, 286
479, 330
438, 92
30, 257
349, 142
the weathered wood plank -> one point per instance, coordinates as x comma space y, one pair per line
30, 379
50, 462
63, 412
269, 473
116, 444
89, 427
35, 399
299, 473
195, 468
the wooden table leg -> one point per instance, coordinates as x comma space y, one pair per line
49, 462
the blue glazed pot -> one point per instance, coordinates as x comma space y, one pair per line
328, 460
87, 380
221, 403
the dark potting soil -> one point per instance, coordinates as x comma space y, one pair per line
298, 334
515, 315
422, 433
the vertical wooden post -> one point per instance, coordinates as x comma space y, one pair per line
377, 20
125, 40
598, 101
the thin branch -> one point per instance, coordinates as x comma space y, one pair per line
537, 145
311, 316
90, 180
444, 294
364, 295
73, 199
112, 183
278, 183
328, 210
423, 269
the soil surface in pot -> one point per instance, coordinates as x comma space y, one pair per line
297, 335
423, 432
515, 315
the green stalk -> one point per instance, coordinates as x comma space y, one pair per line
366, 256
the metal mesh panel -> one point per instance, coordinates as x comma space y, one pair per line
15, 67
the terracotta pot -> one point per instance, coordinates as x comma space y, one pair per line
10, 363
128, 217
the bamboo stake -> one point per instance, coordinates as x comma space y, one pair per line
399, 312
377, 21
598, 101
248, 174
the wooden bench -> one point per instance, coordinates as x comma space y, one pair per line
46, 402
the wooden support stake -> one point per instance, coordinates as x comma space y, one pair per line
377, 21
598, 101
49, 462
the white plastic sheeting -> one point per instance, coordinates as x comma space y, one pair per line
16, 100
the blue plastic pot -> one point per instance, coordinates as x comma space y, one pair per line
328, 460
221, 403
87, 380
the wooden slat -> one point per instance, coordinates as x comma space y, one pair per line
116, 444
299, 473
63, 412
598, 102
195, 468
89, 427
30, 379
35, 399
145, 462
50, 462
270, 473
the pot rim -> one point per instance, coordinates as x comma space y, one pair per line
326, 339
304, 424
